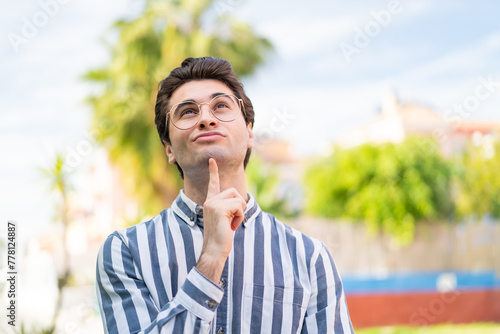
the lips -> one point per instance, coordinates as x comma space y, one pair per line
208, 136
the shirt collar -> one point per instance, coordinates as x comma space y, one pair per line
192, 213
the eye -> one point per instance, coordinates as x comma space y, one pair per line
221, 105
186, 111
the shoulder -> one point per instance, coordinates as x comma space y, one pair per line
133, 234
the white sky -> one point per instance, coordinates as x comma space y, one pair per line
429, 52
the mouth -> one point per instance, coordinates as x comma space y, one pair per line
208, 136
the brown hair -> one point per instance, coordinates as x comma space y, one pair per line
203, 68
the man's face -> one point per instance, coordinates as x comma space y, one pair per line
227, 142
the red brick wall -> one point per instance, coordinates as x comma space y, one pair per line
420, 309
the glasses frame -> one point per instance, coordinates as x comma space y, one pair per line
241, 105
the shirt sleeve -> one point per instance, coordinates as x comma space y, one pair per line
127, 306
327, 309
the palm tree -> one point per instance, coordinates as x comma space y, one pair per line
146, 50
58, 178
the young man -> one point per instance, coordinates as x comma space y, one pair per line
214, 262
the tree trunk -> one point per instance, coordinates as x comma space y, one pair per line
62, 279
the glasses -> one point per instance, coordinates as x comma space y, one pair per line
224, 107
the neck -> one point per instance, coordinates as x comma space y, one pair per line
196, 186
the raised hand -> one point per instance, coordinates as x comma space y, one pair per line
223, 212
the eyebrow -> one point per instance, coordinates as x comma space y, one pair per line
211, 97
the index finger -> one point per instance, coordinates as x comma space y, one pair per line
213, 181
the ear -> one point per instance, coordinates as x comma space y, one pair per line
250, 135
170, 152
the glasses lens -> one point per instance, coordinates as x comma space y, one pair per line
225, 107
185, 115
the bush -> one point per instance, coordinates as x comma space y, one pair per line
479, 180
389, 186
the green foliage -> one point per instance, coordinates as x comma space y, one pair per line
390, 186
479, 180
146, 50
49, 330
483, 328
263, 181
57, 175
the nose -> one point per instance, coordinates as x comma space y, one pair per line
207, 118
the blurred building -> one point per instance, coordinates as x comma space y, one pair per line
277, 155
398, 120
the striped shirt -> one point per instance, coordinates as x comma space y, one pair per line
275, 280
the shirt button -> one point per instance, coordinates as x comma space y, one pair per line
220, 331
223, 283
211, 303
200, 212
192, 218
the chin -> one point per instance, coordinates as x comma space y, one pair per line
213, 152
222, 157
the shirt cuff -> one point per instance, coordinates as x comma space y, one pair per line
200, 296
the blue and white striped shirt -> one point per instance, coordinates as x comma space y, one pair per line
275, 280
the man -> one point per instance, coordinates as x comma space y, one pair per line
214, 262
